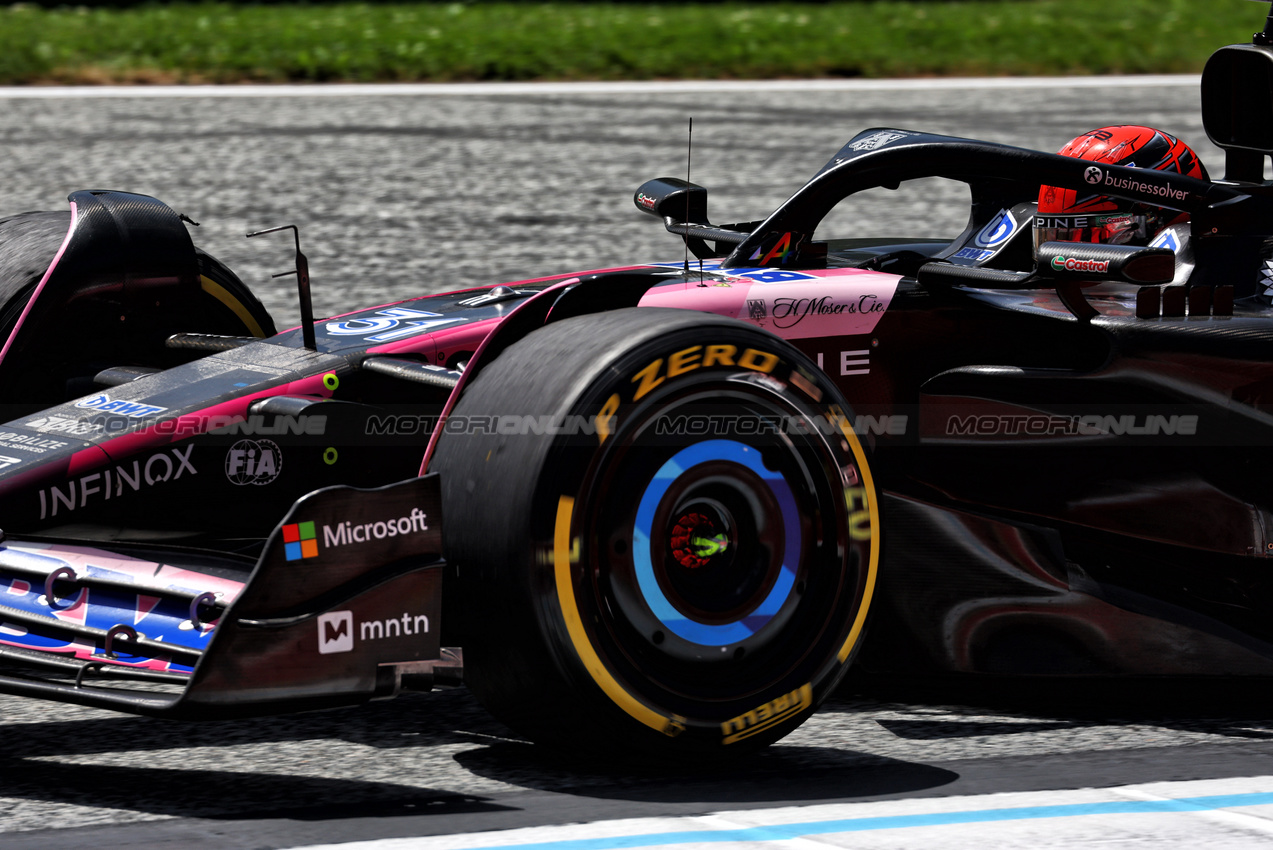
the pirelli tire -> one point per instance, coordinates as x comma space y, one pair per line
664, 535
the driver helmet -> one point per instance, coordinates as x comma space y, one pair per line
1065, 216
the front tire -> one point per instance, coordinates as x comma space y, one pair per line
664, 535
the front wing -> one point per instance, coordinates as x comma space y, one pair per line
342, 605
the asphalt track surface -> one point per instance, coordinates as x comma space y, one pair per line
410, 191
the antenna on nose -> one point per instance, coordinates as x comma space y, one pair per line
1266, 37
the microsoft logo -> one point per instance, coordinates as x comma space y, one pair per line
300, 541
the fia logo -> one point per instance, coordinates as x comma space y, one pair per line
1093, 175
336, 632
253, 462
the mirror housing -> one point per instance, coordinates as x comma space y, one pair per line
671, 198
1237, 108
1091, 261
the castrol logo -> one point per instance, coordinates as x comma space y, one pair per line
1072, 265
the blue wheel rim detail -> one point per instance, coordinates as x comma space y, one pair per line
704, 634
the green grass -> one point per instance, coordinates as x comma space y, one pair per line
223, 42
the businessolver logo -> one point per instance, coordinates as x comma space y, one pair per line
336, 629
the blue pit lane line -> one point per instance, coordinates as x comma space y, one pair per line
785, 832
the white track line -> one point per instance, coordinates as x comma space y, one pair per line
635, 87
1225, 813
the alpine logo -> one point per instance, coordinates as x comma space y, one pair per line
1166, 239
1093, 175
1072, 265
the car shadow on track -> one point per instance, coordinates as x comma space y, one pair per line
240, 769
216, 794
1231, 707
781, 774
303, 767
441, 753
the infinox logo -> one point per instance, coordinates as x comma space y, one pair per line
1069, 264
116, 481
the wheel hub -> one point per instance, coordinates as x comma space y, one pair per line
697, 541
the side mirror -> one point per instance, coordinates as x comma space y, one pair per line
1090, 261
1069, 264
1237, 107
674, 199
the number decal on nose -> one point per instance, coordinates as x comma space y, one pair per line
393, 323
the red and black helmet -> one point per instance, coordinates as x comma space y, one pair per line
1065, 216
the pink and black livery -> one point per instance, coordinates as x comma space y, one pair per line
674, 491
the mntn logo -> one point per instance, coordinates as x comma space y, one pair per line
336, 632
300, 541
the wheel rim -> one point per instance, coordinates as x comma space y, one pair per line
726, 580
698, 588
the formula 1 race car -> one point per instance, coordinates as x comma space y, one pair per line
672, 492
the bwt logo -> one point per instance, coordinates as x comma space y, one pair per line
336, 629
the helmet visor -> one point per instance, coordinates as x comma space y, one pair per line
1110, 229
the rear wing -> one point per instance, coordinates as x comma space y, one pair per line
343, 605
